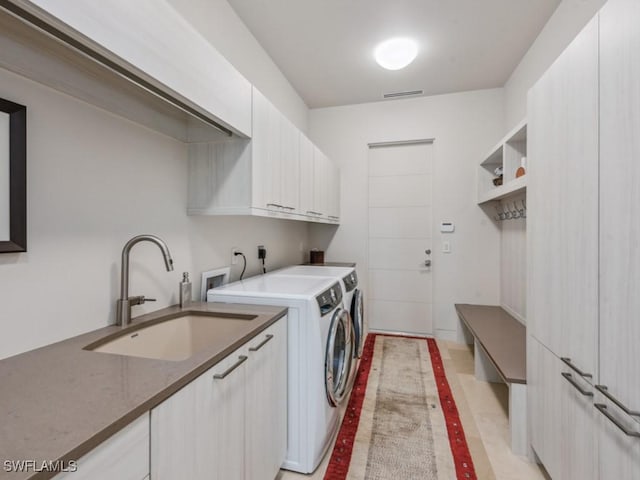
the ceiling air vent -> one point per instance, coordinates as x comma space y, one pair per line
411, 93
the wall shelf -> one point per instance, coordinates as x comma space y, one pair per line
507, 154
512, 188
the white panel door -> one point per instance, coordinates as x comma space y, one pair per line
400, 219
620, 235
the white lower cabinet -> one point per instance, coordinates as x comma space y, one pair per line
561, 416
266, 399
124, 456
229, 423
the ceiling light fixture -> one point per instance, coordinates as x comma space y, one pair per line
396, 53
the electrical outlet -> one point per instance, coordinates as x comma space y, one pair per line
234, 257
262, 252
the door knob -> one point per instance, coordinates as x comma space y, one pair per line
428, 251
427, 263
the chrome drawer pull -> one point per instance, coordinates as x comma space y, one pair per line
570, 379
603, 409
288, 208
605, 391
241, 360
313, 213
274, 205
261, 344
575, 369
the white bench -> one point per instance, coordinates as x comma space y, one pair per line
500, 356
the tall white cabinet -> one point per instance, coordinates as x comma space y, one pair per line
620, 235
562, 204
584, 255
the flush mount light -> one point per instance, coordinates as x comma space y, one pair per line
396, 53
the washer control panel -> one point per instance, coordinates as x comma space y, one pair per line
329, 299
350, 281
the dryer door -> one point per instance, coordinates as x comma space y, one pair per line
339, 356
357, 317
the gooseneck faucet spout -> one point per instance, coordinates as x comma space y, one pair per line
123, 308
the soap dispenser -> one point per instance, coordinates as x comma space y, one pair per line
185, 290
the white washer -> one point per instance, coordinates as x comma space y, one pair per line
320, 356
353, 299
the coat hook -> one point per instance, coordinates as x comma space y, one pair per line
515, 213
507, 213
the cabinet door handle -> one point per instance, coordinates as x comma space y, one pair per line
334, 217
313, 213
274, 205
603, 389
574, 368
241, 360
570, 379
288, 208
603, 409
261, 344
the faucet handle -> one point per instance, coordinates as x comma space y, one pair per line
139, 300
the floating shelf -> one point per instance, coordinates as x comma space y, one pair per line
514, 187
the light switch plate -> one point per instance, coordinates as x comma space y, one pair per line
446, 247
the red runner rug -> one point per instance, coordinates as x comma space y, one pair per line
341, 455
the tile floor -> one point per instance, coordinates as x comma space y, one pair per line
483, 410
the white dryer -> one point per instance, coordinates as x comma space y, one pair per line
353, 299
320, 356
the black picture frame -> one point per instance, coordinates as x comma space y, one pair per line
17, 177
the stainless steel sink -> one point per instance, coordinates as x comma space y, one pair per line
174, 339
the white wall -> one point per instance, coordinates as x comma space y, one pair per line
218, 22
568, 19
464, 125
95, 180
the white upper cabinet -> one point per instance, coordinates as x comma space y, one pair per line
334, 192
149, 38
319, 184
279, 173
275, 159
306, 191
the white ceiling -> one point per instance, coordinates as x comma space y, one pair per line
325, 47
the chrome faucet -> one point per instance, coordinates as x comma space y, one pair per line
123, 307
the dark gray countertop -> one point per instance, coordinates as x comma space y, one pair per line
59, 402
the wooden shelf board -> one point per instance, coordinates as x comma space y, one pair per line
513, 187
